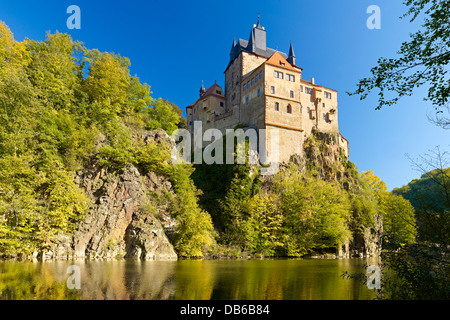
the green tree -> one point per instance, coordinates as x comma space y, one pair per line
316, 213
106, 85
162, 115
194, 230
398, 214
264, 224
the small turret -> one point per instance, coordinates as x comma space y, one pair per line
202, 90
291, 57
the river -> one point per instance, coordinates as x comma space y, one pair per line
271, 279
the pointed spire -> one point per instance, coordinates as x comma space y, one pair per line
291, 57
291, 51
251, 41
258, 25
202, 90
234, 42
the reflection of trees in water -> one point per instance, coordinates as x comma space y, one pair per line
29, 281
185, 280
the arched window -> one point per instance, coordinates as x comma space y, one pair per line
289, 108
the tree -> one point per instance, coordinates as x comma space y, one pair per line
430, 196
398, 214
422, 61
163, 115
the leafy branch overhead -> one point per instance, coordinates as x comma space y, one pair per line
421, 61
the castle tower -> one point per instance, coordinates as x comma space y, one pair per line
257, 39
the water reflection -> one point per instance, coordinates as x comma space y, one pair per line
187, 279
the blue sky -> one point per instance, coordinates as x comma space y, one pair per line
174, 45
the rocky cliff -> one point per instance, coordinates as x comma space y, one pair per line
124, 220
325, 155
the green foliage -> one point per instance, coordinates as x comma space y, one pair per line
60, 105
431, 202
399, 220
162, 115
316, 213
194, 231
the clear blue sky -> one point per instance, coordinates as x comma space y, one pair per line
174, 45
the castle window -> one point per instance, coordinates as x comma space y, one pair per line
291, 94
221, 104
327, 95
301, 88
323, 105
290, 77
256, 78
248, 84
308, 111
278, 75
289, 108
277, 106
272, 90
253, 81
190, 123
308, 90
259, 92
246, 100
260, 75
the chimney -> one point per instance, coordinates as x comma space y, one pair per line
312, 80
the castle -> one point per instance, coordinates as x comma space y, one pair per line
264, 89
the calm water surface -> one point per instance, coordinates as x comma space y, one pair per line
299, 279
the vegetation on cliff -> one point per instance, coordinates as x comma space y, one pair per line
58, 100
318, 203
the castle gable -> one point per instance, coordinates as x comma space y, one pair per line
278, 60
